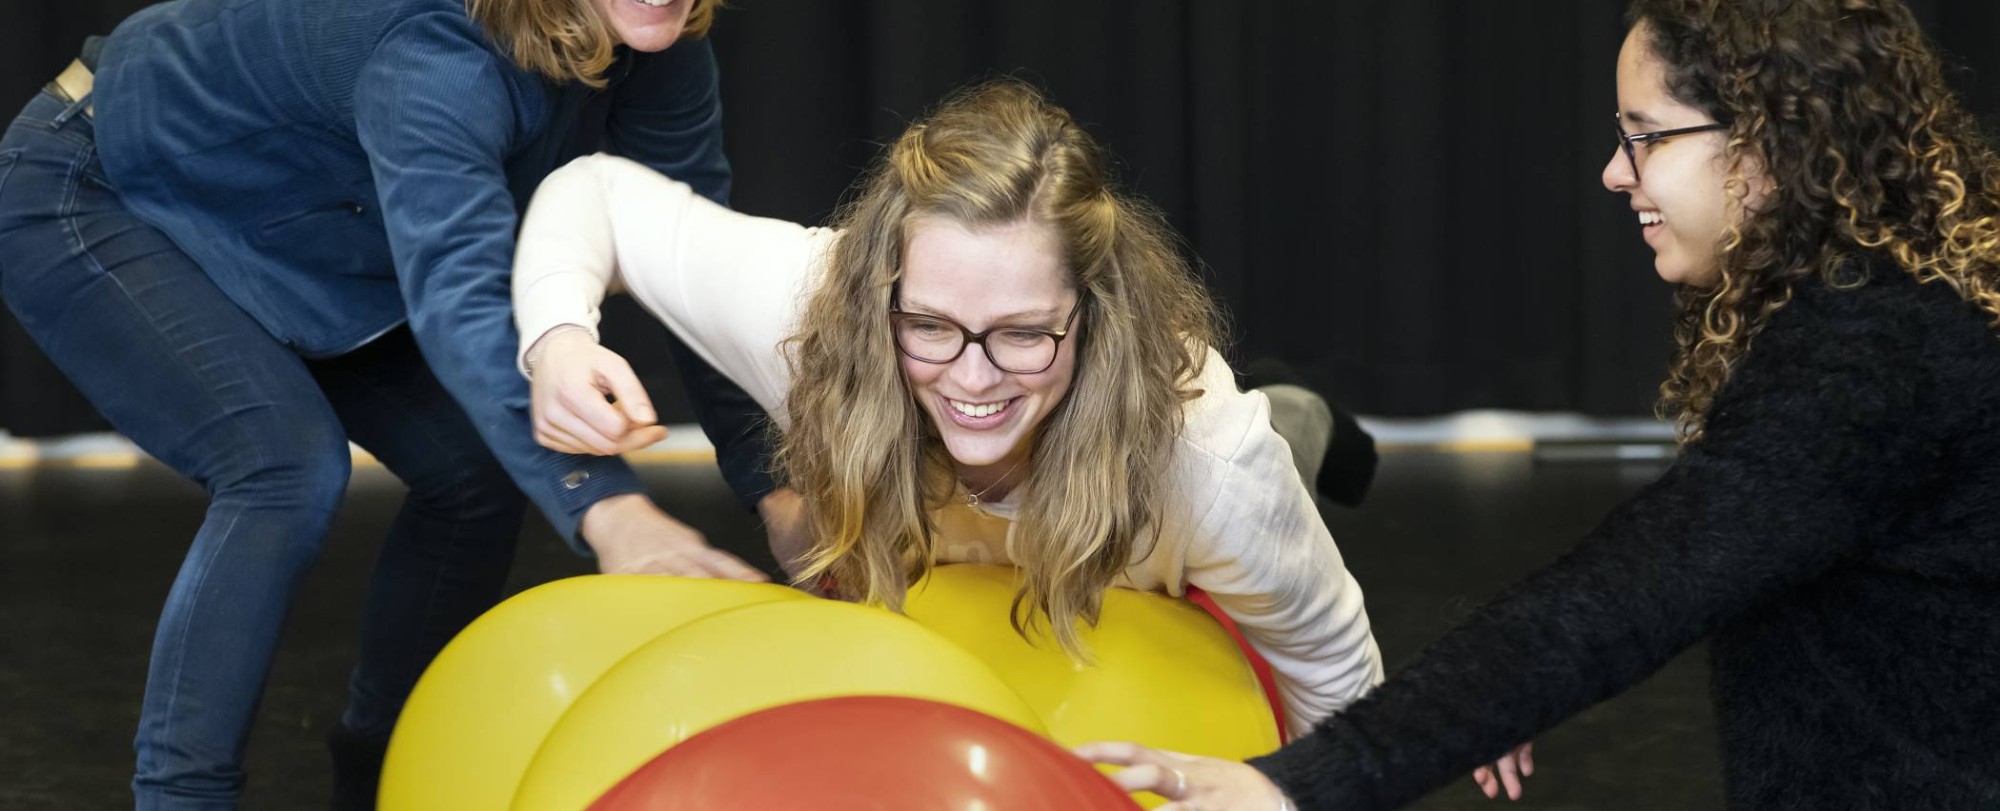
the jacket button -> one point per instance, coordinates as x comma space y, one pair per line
357, 209
575, 479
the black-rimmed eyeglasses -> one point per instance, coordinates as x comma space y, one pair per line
1017, 350
1629, 143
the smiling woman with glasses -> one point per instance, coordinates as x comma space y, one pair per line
993, 357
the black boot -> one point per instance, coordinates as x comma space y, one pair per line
1349, 467
357, 768
1350, 461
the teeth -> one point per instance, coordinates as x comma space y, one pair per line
1651, 218
977, 409
656, 2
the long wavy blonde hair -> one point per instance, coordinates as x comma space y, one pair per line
1842, 108
564, 40
859, 449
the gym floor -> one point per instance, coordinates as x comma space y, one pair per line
87, 553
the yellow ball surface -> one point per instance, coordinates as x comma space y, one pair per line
735, 663
484, 706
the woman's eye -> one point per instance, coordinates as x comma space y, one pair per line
1021, 337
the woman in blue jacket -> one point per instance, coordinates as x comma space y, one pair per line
253, 230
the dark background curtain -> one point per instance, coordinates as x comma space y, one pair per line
1399, 199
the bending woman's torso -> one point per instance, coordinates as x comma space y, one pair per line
231, 126
1238, 521
268, 139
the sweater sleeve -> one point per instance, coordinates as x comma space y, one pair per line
1806, 451
668, 116
1263, 553
728, 284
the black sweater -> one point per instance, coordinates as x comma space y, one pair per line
1836, 537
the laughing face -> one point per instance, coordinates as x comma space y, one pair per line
645, 25
1007, 281
1677, 184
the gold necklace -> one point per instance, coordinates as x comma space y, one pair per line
972, 498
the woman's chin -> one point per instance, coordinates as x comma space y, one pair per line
1679, 273
976, 452
974, 458
651, 42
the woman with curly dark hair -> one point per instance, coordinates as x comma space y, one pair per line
1832, 219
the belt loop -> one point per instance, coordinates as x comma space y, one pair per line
70, 112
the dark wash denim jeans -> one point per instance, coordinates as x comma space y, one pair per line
179, 369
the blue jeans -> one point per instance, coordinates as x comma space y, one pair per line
184, 373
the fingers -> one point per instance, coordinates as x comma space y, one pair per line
1184, 779
560, 443
642, 438
1510, 776
572, 414
725, 566
556, 439
1145, 769
610, 375
617, 378
706, 563
1114, 753
642, 564
674, 564
583, 412
563, 430
1151, 777
565, 424
1505, 774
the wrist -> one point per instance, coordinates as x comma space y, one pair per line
561, 336
601, 519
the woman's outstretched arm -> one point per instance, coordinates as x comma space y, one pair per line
729, 284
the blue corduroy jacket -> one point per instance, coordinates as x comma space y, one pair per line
340, 169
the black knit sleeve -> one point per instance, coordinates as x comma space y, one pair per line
1813, 442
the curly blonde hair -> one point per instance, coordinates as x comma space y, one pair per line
1841, 108
868, 463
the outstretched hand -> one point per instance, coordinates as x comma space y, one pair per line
1192, 783
632, 536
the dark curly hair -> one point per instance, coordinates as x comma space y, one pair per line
1841, 106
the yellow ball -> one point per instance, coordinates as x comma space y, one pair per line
485, 705
738, 662
1164, 673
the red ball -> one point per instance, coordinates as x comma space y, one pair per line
876, 753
